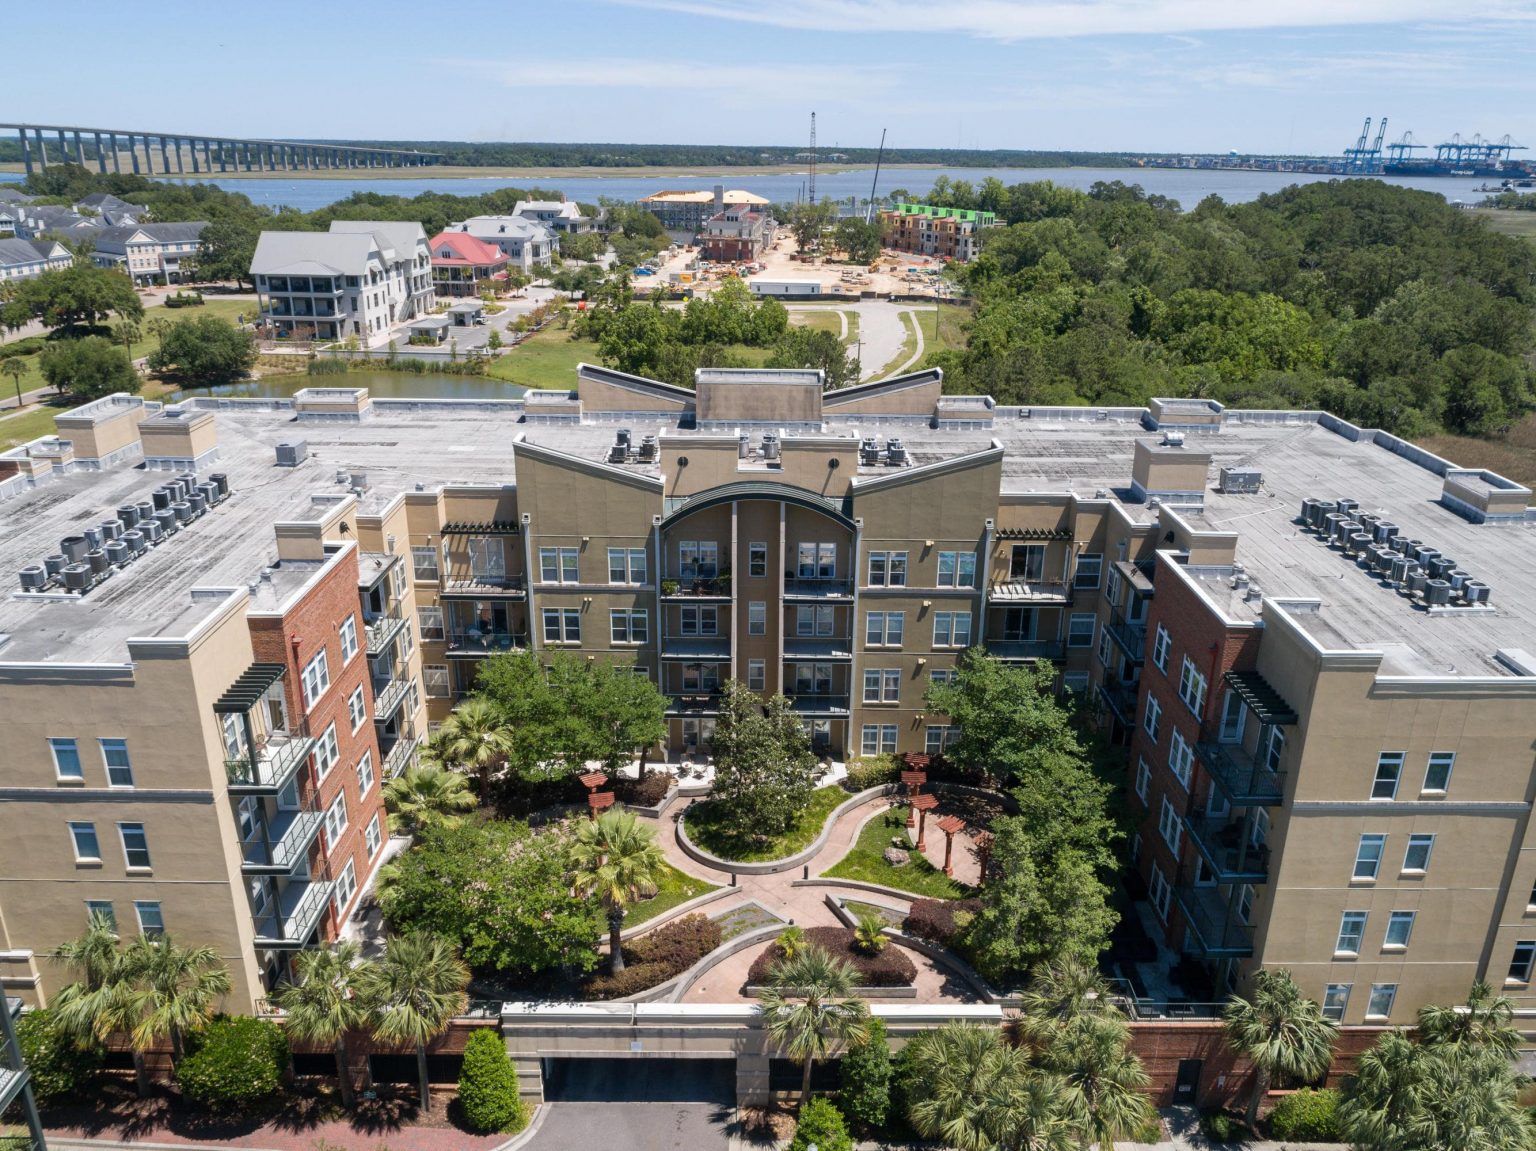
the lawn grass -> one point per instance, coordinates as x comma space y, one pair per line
730, 842
675, 888
1509, 221
951, 332
865, 862
1512, 455
545, 359
821, 321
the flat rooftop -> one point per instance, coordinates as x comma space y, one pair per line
407, 446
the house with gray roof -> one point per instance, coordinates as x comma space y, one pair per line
23, 259
561, 215
39, 218
10, 194
150, 253
106, 205
527, 243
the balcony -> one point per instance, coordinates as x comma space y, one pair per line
1217, 929
277, 761
1224, 843
834, 706
400, 756
1025, 651
697, 647
382, 630
694, 702
473, 643
1242, 778
1017, 591
388, 695
805, 648
1132, 637
286, 844
485, 585
818, 590
714, 589
1121, 698
299, 908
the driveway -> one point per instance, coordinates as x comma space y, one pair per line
637, 1105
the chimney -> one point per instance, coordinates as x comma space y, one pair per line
719, 198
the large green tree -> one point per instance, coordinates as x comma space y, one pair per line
325, 1003
764, 767
225, 249
858, 240
474, 738
88, 368
425, 796
813, 348
80, 294
205, 350
969, 1090
177, 989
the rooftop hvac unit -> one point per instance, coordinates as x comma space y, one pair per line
1347, 505
1387, 531
74, 548
177, 490
1400, 566
118, 552
869, 451
183, 511
1384, 560
152, 530
1368, 522
221, 481
341, 475
1241, 481
1342, 530
53, 565
135, 541
1440, 567
895, 452
1325, 508
1459, 579
161, 498
199, 503
1476, 591
1357, 543
77, 577
1437, 592
100, 565
110, 530
34, 577
1308, 509
621, 438
210, 492
1426, 555
359, 481
1417, 578
292, 453
770, 446
1329, 524
743, 446
146, 510
166, 518
92, 539
128, 515
647, 449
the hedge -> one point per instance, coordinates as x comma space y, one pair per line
891, 968
1306, 1116
237, 1060
657, 956
820, 1125
488, 1085
865, 1094
647, 792
59, 1066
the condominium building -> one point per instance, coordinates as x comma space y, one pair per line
561, 215
685, 212
735, 234
1329, 744
362, 278
462, 265
526, 243
924, 230
23, 259
150, 253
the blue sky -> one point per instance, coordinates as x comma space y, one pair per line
1153, 75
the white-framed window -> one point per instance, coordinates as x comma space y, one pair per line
1383, 995
66, 760
1170, 827
365, 774
424, 563
87, 847
335, 821
1437, 772
487, 559
560, 565
373, 836
1351, 932
884, 628
878, 739
1399, 929
1112, 587
346, 887
407, 640
757, 617
1389, 770
1080, 625
1159, 892
757, 559
1152, 721
434, 677
1090, 569
626, 565
326, 753
1161, 644
114, 753
1274, 750
101, 909
951, 629
430, 619
1521, 962
813, 678
348, 639
1181, 757
1192, 686
1143, 779
151, 917
1075, 682
817, 561
316, 679
814, 620
1335, 1000
1106, 649
696, 620
698, 559
1245, 903
940, 737
629, 626
887, 569
957, 569
1416, 858
562, 625
757, 675
135, 846
942, 676
357, 708
1027, 563
882, 685
701, 677
1368, 856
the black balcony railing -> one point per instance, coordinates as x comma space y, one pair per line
1132, 637
1018, 650
818, 589
1242, 777
475, 643
1121, 698
1228, 849
1214, 920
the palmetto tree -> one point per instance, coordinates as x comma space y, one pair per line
15, 367
1104, 1093
809, 1009
616, 860
101, 1002
325, 1004
475, 738
1487, 1021
127, 333
425, 796
176, 989
158, 327
974, 1092
1281, 1031
415, 991
1058, 994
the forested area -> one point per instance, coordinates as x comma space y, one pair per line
1384, 305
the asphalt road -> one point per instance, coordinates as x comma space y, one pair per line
637, 1105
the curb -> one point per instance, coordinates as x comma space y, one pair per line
525, 1136
788, 862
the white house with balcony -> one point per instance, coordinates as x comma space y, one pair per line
150, 253
561, 215
527, 243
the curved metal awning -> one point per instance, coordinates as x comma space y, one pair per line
677, 508
1264, 701
244, 693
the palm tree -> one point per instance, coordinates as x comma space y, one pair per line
127, 333
158, 327
810, 1010
177, 990
617, 860
1486, 1021
415, 991
1281, 1031
973, 1092
1058, 994
102, 1001
1387, 1095
1104, 1091
425, 796
15, 367
325, 1004
474, 738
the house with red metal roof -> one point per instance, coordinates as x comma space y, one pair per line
461, 264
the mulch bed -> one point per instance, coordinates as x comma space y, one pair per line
891, 968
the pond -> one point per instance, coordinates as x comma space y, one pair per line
380, 384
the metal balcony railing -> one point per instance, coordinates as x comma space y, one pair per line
1223, 841
286, 844
382, 630
1132, 637
1015, 651
1217, 929
1121, 698
818, 589
803, 648
1243, 778
299, 909
401, 756
474, 643
819, 704
277, 762
388, 695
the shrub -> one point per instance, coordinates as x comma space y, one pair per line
1306, 1116
890, 968
235, 1061
488, 1085
820, 1125
872, 771
658, 956
865, 1096
184, 300
869, 934
1219, 1127
26, 346
59, 1066
647, 792
940, 920
327, 367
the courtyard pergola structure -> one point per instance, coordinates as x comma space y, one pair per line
913, 780
950, 825
923, 804
592, 780
598, 801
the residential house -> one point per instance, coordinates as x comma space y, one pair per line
111, 211
738, 233
686, 212
22, 259
39, 218
561, 215
526, 243
150, 253
461, 264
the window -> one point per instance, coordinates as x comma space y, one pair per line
1143, 779
562, 625
813, 679
1275, 749
629, 626
87, 850
326, 753
1399, 928
1192, 687
424, 563
757, 617
951, 629
365, 774
1080, 627
884, 628
335, 821
940, 737
882, 685
814, 620
114, 753
100, 910
1389, 769
348, 639
698, 559
887, 569
1170, 827
434, 677
957, 569
1160, 893
1106, 652
757, 559
372, 836
1416, 858
1160, 645
817, 561
1090, 567
878, 739
1351, 931
430, 620
1112, 587
151, 919
487, 560
1335, 1000
1368, 856
1027, 563
357, 708
701, 677
626, 565
135, 845
1382, 997
942, 677
346, 888
1181, 757
317, 677
1153, 719
66, 759
1075, 681
1437, 776
757, 675
1245, 903
561, 565
1520, 964
700, 621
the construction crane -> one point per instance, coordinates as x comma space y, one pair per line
1352, 155
875, 183
810, 181
1381, 133
1365, 156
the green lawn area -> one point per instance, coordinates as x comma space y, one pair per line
866, 863
675, 888
545, 359
731, 842
1509, 221
951, 334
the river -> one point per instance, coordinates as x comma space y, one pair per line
381, 385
